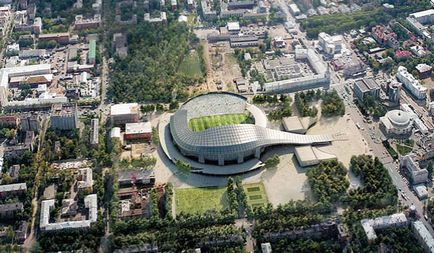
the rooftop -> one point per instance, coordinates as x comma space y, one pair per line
137, 128
423, 232
13, 187
121, 109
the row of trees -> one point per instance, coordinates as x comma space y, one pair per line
340, 22
293, 215
186, 232
271, 99
237, 197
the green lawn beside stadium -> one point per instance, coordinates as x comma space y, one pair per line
202, 123
200, 200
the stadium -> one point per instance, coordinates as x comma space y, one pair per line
223, 128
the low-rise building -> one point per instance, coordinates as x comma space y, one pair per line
61, 38
144, 177
411, 84
85, 180
330, 44
21, 232
140, 130
15, 151
90, 202
87, 23
9, 190
421, 191
423, 236
94, 134
396, 122
424, 70
385, 37
266, 247
8, 211
394, 220
366, 87
9, 121
125, 113
416, 174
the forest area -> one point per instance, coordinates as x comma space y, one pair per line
151, 71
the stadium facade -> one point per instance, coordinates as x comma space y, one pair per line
229, 143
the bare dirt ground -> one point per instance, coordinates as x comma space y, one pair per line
222, 66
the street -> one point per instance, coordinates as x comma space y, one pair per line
375, 146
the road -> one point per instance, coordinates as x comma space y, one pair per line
377, 148
370, 134
39, 158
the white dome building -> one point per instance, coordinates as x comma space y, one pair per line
397, 122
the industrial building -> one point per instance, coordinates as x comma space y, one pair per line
124, 113
384, 222
366, 87
396, 122
417, 175
411, 84
64, 117
140, 130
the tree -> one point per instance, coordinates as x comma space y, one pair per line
183, 166
272, 162
429, 168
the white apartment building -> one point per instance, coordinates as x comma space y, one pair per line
411, 83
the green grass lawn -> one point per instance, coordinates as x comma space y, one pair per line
202, 123
404, 147
256, 196
200, 200
191, 65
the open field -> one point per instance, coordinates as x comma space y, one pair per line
202, 123
200, 200
256, 196
191, 65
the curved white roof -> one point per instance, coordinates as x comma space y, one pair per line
399, 118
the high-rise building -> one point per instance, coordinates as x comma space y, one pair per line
64, 117
394, 92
